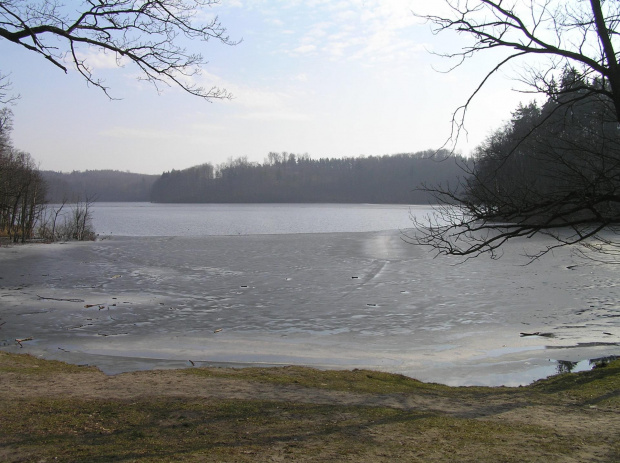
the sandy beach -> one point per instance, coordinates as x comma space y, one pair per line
341, 300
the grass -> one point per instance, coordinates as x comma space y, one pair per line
503, 424
366, 381
187, 430
601, 386
28, 364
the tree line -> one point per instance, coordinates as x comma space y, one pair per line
24, 210
553, 169
290, 178
22, 189
101, 185
554, 164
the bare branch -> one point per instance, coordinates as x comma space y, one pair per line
5, 89
148, 33
544, 28
551, 171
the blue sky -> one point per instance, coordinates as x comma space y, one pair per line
328, 78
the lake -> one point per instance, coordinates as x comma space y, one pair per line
146, 219
329, 286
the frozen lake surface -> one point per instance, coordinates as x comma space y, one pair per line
362, 299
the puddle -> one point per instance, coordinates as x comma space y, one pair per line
567, 366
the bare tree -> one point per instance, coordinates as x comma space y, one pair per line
568, 52
6, 126
48, 221
545, 36
81, 220
5, 89
22, 193
148, 33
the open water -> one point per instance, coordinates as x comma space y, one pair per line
146, 219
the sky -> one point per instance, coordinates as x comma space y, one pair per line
327, 78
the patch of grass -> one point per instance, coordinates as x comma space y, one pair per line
26, 363
599, 386
165, 429
341, 380
226, 430
458, 439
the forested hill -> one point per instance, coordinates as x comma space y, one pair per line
100, 185
287, 178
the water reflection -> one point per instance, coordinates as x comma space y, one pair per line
566, 366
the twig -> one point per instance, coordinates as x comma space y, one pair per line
19, 341
56, 299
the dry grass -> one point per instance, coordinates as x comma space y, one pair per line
51, 411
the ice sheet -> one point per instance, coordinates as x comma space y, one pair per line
345, 300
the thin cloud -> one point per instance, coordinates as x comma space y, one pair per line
279, 116
370, 30
304, 50
132, 133
101, 59
181, 132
